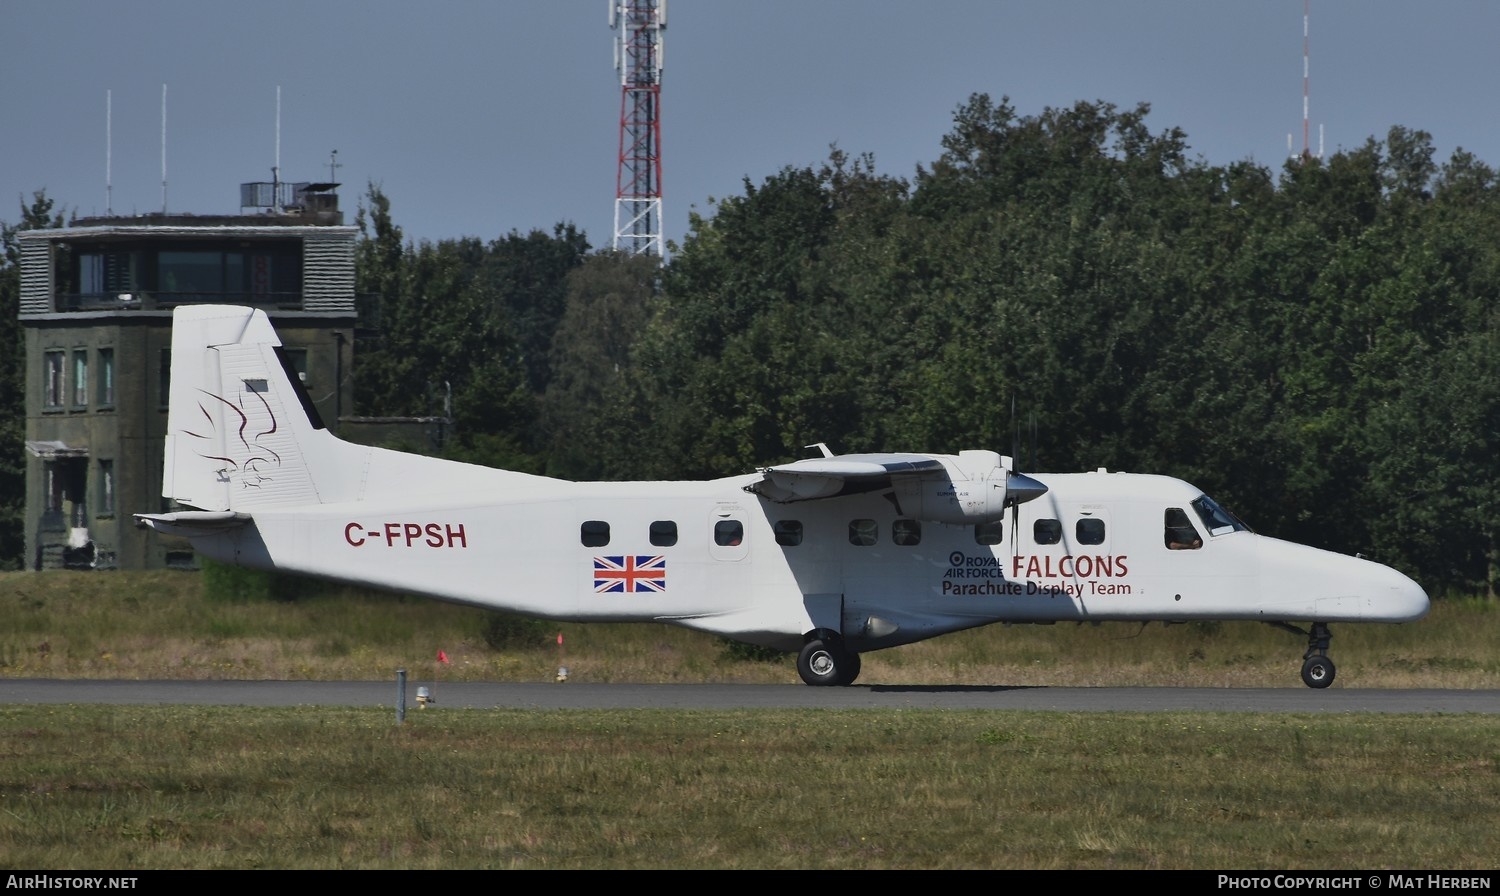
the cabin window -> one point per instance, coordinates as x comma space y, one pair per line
1047, 531
992, 532
906, 532
864, 533
664, 533
594, 533
788, 532
728, 533
1090, 531
1180, 534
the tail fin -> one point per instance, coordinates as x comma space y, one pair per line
242, 434
241, 431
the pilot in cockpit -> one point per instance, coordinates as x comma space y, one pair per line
1180, 534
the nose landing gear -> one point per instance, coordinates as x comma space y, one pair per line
1317, 669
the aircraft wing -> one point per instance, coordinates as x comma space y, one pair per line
847, 474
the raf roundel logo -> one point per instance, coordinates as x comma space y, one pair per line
956, 558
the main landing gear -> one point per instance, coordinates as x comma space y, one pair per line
825, 661
1317, 669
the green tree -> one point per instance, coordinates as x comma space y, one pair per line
528, 276
1299, 342
380, 371
700, 372
607, 307
38, 215
461, 351
460, 329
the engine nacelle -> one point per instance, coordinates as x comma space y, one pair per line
973, 491
971, 487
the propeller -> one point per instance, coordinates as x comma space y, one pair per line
1020, 488
1015, 506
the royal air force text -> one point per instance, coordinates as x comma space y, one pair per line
1087, 574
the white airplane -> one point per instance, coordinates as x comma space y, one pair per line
829, 557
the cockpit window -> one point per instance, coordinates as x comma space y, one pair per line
1216, 519
1180, 534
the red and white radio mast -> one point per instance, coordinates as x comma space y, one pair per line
638, 58
1306, 144
1306, 149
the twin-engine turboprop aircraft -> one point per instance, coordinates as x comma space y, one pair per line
829, 557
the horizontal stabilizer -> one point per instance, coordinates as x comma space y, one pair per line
192, 522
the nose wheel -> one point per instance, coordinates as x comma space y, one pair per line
1317, 669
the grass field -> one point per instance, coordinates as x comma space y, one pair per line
146, 788
193, 787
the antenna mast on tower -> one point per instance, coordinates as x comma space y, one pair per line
1306, 141
1305, 7
638, 58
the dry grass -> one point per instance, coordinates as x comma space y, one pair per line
162, 626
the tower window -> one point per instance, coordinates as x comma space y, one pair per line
106, 378
80, 378
54, 378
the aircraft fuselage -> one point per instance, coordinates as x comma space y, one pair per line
714, 557
829, 556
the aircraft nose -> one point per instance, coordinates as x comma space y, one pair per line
1407, 600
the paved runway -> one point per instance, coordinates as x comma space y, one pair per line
573, 695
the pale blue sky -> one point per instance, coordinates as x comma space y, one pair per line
479, 117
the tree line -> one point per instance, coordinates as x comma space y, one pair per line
1314, 345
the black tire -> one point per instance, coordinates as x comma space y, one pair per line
1318, 672
825, 663
851, 668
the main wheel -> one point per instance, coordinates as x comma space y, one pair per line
825, 663
851, 668
1318, 672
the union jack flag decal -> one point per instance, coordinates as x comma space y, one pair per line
630, 574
